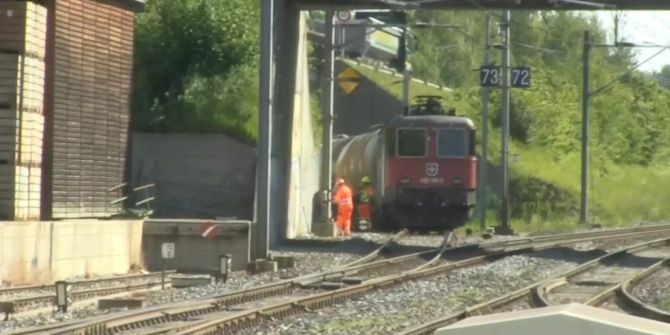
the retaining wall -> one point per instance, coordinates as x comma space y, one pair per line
45, 251
193, 252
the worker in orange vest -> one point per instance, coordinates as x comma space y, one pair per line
345, 207
365, 203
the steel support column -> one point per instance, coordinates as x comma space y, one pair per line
327, 81
505, 210
584, 208
282, 118
262, 215
483, 179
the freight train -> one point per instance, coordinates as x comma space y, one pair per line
422, 166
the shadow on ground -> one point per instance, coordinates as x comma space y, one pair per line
354, 245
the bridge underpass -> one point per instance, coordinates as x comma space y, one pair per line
280, 35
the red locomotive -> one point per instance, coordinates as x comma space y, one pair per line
422, 166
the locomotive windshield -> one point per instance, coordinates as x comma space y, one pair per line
412, 142
452, 142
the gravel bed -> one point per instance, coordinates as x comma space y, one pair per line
655, 289
305, 263
414, 296
433, 240
410, 303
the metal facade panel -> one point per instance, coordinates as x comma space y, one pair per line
93, 44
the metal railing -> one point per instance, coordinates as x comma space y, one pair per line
140, 208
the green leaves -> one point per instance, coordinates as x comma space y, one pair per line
195, 64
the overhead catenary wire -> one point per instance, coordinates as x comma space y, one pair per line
629, 71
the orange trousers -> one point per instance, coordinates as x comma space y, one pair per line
365, 211
344, 218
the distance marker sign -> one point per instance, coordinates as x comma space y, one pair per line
491, 76
521, 77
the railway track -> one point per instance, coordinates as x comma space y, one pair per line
593, 283
233, 311
16, 299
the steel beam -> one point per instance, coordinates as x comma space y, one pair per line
584, 208
485, 4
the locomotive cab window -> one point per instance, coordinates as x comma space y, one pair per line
411, 142
452, 142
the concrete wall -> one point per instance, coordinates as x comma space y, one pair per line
365, 106
304, 153
41, 252
209, 176
196, 175
194, 253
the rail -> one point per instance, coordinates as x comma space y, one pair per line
220, 317
534, 293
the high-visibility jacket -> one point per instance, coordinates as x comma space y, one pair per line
366, 194
343, 196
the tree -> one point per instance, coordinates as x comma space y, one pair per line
190, 51
663, 76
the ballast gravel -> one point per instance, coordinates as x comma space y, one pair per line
414, 302
305, 263
655, 289
378, 313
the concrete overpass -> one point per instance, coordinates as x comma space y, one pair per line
280, 26
483, 4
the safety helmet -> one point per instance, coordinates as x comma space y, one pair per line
339, 181
365, 179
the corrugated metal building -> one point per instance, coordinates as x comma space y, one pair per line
65, 82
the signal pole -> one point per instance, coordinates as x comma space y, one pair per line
485, 133
504, 212
327, 81
265, 113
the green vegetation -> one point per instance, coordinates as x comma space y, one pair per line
196, 71
196, 67
629, 138
629, 143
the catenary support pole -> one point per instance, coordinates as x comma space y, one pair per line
327, 76
505, 215
284, 94
260, 246
583, 213
485, 133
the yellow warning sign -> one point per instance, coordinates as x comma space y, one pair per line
348, 80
